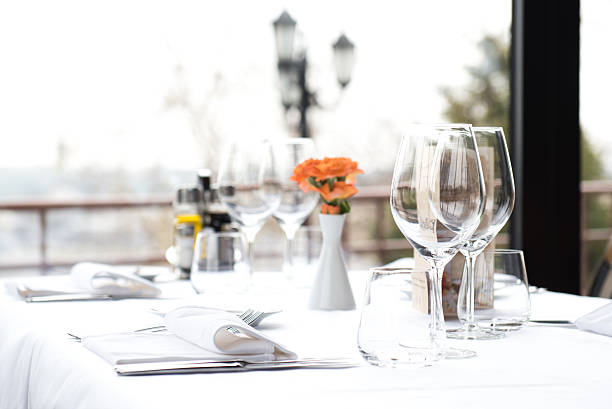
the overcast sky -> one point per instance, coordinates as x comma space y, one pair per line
95, 74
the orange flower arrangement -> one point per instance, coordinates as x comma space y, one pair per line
333, 178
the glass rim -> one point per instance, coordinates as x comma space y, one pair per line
398, 270
506, 251
488, 128
445, 124
220, 234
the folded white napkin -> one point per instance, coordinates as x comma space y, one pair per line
599, 321
194, 334
222, 332
104, 279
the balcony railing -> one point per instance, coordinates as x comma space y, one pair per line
380, 243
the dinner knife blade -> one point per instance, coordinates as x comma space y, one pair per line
68, 297
160, 368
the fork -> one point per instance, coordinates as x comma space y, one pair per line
250, 317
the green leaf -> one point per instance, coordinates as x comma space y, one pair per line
345, 207
313, 181
330, 183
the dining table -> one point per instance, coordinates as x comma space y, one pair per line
41, 366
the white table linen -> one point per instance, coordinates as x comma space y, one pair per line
556, 367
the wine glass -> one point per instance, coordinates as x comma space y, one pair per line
249, 186
437, 200
295, 204
499, 202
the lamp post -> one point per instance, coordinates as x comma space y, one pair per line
293, 67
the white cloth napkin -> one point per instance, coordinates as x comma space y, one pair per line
599, 321
194, 334
104, 279
222, 332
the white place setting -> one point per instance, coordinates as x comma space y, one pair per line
457, 325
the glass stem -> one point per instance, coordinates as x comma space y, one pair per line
437, 329
288, 263
250, 259
470, 293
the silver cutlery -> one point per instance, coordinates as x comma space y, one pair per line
183, 367
561, 323
30, 295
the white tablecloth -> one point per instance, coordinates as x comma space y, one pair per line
40, 367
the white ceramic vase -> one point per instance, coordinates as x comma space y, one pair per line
331, 289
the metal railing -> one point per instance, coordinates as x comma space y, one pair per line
380, 244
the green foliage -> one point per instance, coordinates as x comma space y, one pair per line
591, 159
486, 101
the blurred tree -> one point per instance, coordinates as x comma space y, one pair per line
486, 101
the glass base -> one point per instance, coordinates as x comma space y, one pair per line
473, 333
402, 357
458, 353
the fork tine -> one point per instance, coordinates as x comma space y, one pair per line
249, 316
245, 314
258, 319
253, 317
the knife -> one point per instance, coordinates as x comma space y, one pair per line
67, 297
553, 322
185, 367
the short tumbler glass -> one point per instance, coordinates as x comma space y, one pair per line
511, 300
394, 330
220, 262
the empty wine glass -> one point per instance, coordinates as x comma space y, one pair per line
499, 202
295, 204
249, 186
437, 200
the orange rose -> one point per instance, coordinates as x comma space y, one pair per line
336, 168
322, 176
341, 190
303, 171
329, 209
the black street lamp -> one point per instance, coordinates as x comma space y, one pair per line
293, 66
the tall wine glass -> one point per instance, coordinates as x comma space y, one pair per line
437, 200
295, 205
249, 186
499, 202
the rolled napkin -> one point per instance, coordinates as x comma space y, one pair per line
104, 279
194, 334
599, 321
223, 333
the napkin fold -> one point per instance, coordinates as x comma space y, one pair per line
104, 279
599, 321
222, 332
194, 333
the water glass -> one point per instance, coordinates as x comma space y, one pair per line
394, 329
220, 262
511, 302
